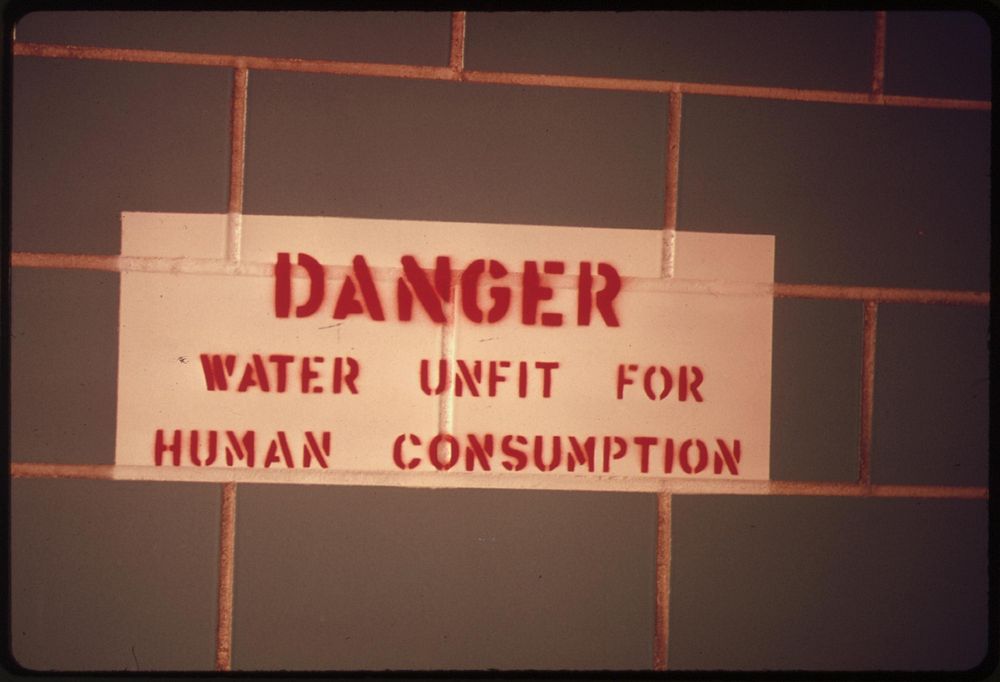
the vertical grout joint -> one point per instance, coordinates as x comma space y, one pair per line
449, 331
456, 58
870, 333
227, 547
671, 180
661, 627
878, 58
237, 163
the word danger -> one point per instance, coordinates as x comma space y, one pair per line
358, 294
593, 454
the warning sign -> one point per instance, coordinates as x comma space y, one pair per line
430, 350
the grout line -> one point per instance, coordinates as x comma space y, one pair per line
234, 238
881, 294
878, 55
111, 263
661, 628
234, 61
227, 546
670, 193
550, 481
237, 164
717, 89
456, 56
867, 391
449, 334
102, 472
502, 78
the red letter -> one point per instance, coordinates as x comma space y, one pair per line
702, 456
644, 442
500, 295
282, 362
618, 454
215, 376
624, 380
353, 369
160, 446
668, 456
254, 375
415, 280
606, 296
583, 298
470, 290
195, 448
213, 448
470, 286
481, 452
684, 386
307, 375
312, 449
546, 368
495, 377
397, 453
348, 305
730, 457
582, 455
283, 286
519, 456
435, 454
244, 450
272, 452
556, 453
470, 379
647, 382
442, 382
534, 292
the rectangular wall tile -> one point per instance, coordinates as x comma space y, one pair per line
816, 408
64, 365
393, 37
932, 384
791, 49
386, 148
797, 583
113, 576
94, 138
938, 54
380, 578
855, 195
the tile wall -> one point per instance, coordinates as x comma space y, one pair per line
123, 576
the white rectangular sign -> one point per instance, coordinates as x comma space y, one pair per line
411, 353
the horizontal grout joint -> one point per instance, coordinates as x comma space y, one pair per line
451, 73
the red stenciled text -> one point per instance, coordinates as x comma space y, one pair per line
483, 378
280, 373
479, 303
241, 449
658, 382
592, 454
